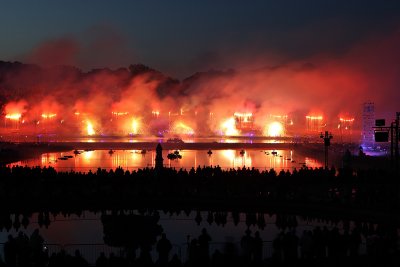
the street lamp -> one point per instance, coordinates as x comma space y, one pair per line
327, 142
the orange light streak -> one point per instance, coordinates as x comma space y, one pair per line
119, 113
14, 116
314, 117
49, 115
346, 120
246, 115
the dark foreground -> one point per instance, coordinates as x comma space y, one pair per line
343, 193
362, 196
316, 247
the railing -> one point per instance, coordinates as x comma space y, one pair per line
92, 251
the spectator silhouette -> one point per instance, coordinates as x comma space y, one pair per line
78, 260
306, 244
247, 245
37, 248
175, 261
10, 251
204, 240
23, 249
194, 254
102, 261
163, 248
257, 248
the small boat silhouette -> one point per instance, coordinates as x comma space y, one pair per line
174, 155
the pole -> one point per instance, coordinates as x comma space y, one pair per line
391, 144
327, 142
397, 139
326, 157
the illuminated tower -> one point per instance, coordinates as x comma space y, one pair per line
367, 134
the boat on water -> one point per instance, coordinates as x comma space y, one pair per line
242, 152
174, 155
110, 151
209, 152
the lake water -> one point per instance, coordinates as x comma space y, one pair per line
134, 159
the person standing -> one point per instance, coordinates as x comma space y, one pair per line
204, 245
163, 248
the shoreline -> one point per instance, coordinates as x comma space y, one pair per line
14, 152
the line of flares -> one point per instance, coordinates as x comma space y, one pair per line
235, 125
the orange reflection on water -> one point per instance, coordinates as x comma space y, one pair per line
48, 158
87, 156
134, 159
237, 158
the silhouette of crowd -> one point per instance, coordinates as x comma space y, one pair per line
320, 246
25, 251
326, 188
24, 190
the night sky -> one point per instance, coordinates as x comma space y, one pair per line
182, 37
297, 57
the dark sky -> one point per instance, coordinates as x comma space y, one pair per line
182, 37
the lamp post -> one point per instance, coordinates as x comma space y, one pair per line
327, 142
397, 138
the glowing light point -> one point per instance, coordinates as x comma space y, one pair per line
135, 126
228, 127
89, 128
275, 129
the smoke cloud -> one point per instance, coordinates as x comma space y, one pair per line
326, 85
